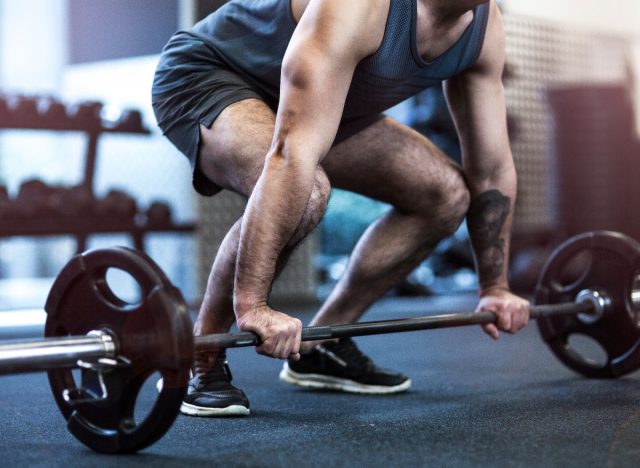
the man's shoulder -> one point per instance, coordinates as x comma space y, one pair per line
492, 54
355, 24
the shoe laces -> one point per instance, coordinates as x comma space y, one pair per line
347, 350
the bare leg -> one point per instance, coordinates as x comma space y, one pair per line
216, 311
427, 191
232, 155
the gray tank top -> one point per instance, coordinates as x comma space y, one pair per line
251, 36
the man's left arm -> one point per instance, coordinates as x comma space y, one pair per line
477, 104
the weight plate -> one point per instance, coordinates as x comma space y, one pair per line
152, 336
608, 262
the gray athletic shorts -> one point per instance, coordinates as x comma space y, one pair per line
193, 85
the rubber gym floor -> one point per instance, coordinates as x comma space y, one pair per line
474, 402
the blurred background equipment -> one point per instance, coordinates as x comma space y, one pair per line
41, 209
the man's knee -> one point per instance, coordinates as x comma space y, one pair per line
457, 200
450, 200
315, 208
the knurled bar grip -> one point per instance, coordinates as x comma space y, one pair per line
237, 340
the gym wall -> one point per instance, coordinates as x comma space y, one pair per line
617, 16
544, 55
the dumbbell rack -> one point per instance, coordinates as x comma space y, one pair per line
48, 114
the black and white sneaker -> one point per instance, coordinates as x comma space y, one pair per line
342, 366
210, 393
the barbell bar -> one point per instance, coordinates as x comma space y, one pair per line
98, 345
50, 353
585, 307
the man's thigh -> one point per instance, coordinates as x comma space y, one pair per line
233, 150
390, 162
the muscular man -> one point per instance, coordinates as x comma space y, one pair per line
280, 100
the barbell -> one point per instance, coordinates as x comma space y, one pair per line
589, 286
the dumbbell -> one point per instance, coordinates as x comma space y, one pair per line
117, 204
158, 214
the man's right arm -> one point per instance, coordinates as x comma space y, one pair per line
331, 38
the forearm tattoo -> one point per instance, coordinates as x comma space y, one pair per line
485, 220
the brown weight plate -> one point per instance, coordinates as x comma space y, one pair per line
153, 336
608, 262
